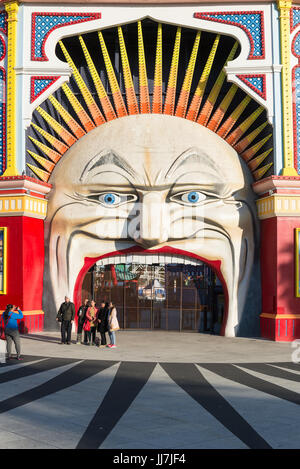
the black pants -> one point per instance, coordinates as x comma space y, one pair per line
92, 334
103, 338
79, 333
66, 329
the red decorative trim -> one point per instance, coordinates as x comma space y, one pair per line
293, 45
203, 16
89, 262
26, 178
5, 28
4, 48
291, 19
90, 17
33, 97
262, 94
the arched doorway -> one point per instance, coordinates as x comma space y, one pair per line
171, 297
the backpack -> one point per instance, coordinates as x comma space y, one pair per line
3, 327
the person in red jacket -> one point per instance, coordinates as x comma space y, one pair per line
92, 316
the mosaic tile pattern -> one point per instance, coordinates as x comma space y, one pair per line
250, 22
44, 23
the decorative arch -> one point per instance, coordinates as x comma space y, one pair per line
191, 85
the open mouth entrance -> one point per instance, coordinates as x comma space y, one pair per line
173, 297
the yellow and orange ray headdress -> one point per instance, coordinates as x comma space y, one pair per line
220, 109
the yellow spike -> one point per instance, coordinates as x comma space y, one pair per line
251, 152
84, 118
245, 142
258, 174
90, 102
40, 173
114, 86
69, 120
220, 112
143, 80
234, 116
208, 106
198, 95
57, 144
52, 154
132, 104
187, 83
104, 100
59, 129
234, 137
157, 88
48, 165
171, 89
253, 164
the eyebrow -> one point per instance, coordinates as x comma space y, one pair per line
193, 153
107, 157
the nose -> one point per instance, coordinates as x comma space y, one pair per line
153, 229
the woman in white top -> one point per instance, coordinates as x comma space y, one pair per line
113, 325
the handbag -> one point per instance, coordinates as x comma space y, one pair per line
3, 327
86, 325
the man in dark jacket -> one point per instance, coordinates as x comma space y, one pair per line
66, 314
81, 318
103, 322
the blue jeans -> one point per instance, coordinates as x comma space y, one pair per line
112, 337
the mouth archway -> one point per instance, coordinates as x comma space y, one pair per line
157, 290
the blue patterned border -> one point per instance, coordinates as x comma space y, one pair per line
45, 23
251, 22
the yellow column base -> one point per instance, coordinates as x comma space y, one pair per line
289, 172
10, 172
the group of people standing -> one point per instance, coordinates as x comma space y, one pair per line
90, 321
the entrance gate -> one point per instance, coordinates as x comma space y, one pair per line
169, 297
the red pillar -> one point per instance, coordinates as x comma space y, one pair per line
279, 212
22, 211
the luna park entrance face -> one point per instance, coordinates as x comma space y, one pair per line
168, 297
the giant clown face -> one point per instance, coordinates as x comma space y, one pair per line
159, 182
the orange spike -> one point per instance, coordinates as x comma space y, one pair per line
251, 152
40, 173
157, 88
199, 93
235, 136
220, 112
57, 144
143, 80
171, 89
258, 174
253, 164
186, 87
233, 118
209, 104
245, 142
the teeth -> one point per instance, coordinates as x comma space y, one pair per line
149, 259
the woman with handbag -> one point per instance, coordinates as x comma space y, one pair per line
9, 323
113, 325
92, 318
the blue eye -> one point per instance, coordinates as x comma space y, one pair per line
109, 199
193, 197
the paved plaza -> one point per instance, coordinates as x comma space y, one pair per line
156, 390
